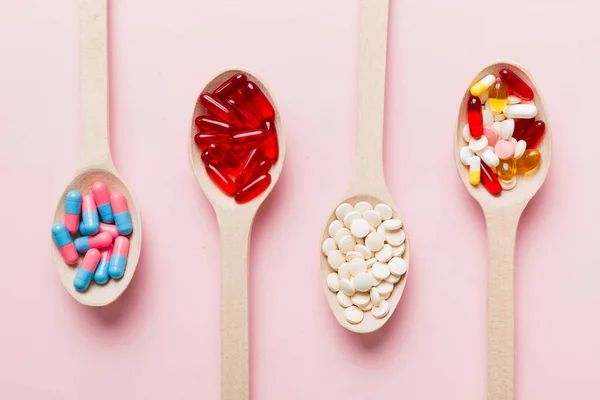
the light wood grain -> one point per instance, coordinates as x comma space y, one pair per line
502, 215
368, 182
96, 162
235, 224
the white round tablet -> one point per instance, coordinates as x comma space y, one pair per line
384, 210
343, 271
357, 266
333, 282
375, 297
360, 299
328, 246
353, 254
368, 307
335, 259
350, 218
373, 218
347, 244
343, 300
346, 287
364, 251
374, 241
385, 254
334, 227
354, 315
381, 230
360, 228
396, 238
371, 261
362, 282
397, 251
362, 207
376, 281
392, 224
380, 271
342, 210
397, 266
393, 279
381, 310
384, 289
342, 233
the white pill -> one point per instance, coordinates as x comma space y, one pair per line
353, 254
381, 310
360, 299
478, 144
497, 125
376, 281
396, 238
375, 297
499, 117
484, 96
350, 218
507, 129
513, 99
380, 271
465, 156
374, 241
488, 117
384, 210
335, 259
397, 251
364, 251
333, 282
372, 217
387, 296
357, 266
385, 254
381, 230
392, 224
360, 228
520, 148
342, 210
363, 282
528, 110
466, 133
346, 287
397, 266
368, 307
362, 207
385, 288
334, 227
347, 244
393, 279
343, 271
328, 246
508, 185
489, 157
354, 315
371, 262
342, 233
343, 300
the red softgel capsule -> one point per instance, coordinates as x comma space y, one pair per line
270, 145
248, 119
220, 110
253, 165
534, 134
260, 101
252, 189
490, 180
202, 140
474, 116
208, 124
515, 84
245, 137
230, 86
521, 126
221, 179
221, 156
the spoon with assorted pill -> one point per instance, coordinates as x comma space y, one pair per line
502, 150
97, 226
236, 150
365, 251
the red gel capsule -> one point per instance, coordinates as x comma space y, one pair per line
490, 180
474, 116
515, 84
534, 134
521, 126
253, 189
219, 109
246, 104
270, 145
249, 120
204, 139
211, 125
245, 137
260, 101
219, 155
221, 179
229, 86
253, 165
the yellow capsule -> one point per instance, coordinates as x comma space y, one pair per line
529, 161
482, 85
498, 97
507, 169
474, 170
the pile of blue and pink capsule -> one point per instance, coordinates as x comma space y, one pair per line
105, 244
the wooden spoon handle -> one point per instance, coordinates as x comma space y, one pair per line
235, 364
94, 82
371, 91
502, 231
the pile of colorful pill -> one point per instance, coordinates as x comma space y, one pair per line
103, 259
502, 133
364, 250
237, 138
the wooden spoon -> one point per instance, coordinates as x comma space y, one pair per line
368, 183
235, 224
502, 215
96, 162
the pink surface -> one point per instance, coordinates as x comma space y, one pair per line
161, 340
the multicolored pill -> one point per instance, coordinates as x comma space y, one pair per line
72, 210
101, 274
111, 229
118, 260
121, 213
102, 198
98, 241
65, 245
86, 270
90, 215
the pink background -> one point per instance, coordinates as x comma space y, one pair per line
161, 340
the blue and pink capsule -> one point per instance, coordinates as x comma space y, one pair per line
121, 213
101, 274
65, 245
102, 199
86, 270
90, 215
118, 260
72, 211
99, 241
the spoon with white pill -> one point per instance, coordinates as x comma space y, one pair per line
96, 162
235, 215
368, 183
502, 214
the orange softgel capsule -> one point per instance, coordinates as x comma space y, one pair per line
498, 97
529, 161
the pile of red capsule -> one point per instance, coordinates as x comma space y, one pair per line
237, 138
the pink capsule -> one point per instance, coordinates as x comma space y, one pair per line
90, 215
121, 213
102, 199
98, 241
118, 259
86, 270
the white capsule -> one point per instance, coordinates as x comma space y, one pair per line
507, 128
528, 110
488, 117
489, 157
513, 100
520, 148
475, 164
483, 85
465, 156
478, 144
508, 185
466, 133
